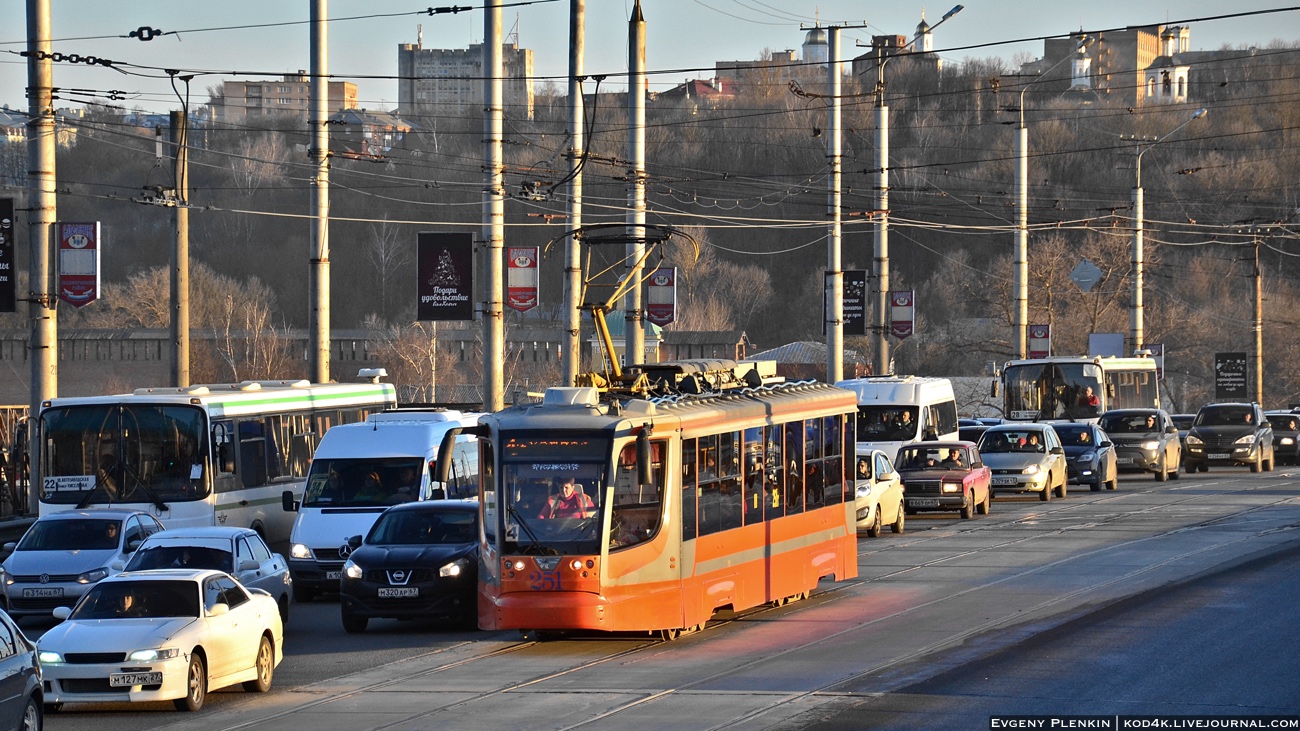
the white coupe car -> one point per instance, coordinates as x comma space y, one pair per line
169, 634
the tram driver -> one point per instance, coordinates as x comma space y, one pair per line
569, 502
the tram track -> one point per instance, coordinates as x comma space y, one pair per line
830, 593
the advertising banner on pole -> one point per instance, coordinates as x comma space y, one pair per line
79, 263
521, 277
444, 263
1230, 380
8, 288
855, 302
902, 312
661, 296
1040, 341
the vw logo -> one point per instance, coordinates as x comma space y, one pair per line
45, 578
345, 550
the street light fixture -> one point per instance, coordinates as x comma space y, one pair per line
1136, 335
1020, 313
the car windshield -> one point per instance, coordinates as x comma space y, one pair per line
139, 600
1131, 423
424, 527
1076, 436
928, 458
1011, 440
355, 483
887, 423
1283, 423
173, 556
1226, 416
1183, 421
88, 534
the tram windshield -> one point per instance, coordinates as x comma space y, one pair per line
552, 490
110, 453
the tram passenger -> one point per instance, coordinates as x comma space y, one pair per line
569, 502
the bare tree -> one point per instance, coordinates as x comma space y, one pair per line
388, 254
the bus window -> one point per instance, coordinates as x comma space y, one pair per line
222, 432
794, 467
252, 454
688, 489
637, 508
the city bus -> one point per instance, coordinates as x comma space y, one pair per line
219, 454
1077, 387
635, 512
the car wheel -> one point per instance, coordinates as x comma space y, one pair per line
1046, 494
874, 529
303, 594
196, 685
53, 707
1096, 485
32, 717
1268, 466
284, 608
1113, 484
1176, 473
1161, 473
265, 665
354, 624
901, 521
1065, 485
1258, 464
987, 505
1205, 467
968, 506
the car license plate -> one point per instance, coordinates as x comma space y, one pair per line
45, 593
1005, 480
923, 502
394, 592
1219, 456
126, 680
1123, 460
332, 575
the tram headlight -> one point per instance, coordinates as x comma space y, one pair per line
519, 565
299, 550
576, 564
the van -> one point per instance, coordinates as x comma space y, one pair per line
359, 471
897, 410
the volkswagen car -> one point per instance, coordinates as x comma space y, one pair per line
419, 560
63, 554
1025, 457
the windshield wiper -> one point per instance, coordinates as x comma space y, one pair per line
153, 496
101, 480
537, 544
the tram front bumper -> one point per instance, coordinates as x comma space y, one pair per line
550, 610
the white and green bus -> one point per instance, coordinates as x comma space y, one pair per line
219, 454
1077, 388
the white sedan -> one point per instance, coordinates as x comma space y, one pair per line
169, 634
878, 494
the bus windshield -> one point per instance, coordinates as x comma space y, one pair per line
553, 494
99, 454
1055, 391
887, 423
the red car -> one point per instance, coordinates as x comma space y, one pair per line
944, 476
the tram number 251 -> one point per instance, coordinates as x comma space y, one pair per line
544, 581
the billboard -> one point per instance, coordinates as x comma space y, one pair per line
902, 312
8, 288
1230, 377
79, 248
855, 302
444, 263
521, 277
661, 296
1040, 341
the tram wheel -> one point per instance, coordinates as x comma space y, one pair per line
668, 635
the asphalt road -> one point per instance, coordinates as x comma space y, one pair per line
947, 624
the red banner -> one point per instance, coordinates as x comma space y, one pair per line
902, 312
661, 296
79, 263
521, 277
1040, 341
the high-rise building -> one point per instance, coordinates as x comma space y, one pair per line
439, 80
242, 101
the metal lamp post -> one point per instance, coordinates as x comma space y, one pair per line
1136, 334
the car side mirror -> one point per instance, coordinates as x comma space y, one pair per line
219, 609
132, 545
288, 503
1104, 445
62, 613
354, 541
248, 564
117, 566
9, 547
1058, 450
1171, 430
437, 493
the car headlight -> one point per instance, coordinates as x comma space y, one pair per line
1087, 456
951, 487
864, 490
166, 653
1030, 470
1287, 441
455, 568
1150, 446
352, 570
1193, 439
47, 657
298, 550
1248, 439
92, 576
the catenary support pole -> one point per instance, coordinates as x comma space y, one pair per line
634, 332
494, 212
180, 279
571, 358
319, 281
834, 284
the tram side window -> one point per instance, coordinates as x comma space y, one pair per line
814, 475
464, 483
488, 487
832, 464
794, 467
638, 509
710, 508
776, 473
755, 486
689, 489
730, 501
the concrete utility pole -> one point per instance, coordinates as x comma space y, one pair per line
318, 315
42, 213
494, 213
880, 257
634, 333
1258, 326
180, 319
834, 274
571, 359
1136, 314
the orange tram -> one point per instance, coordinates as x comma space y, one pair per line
611, 513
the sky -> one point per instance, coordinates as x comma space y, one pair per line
684, 37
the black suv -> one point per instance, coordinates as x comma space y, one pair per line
1146, 440
1230, 434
